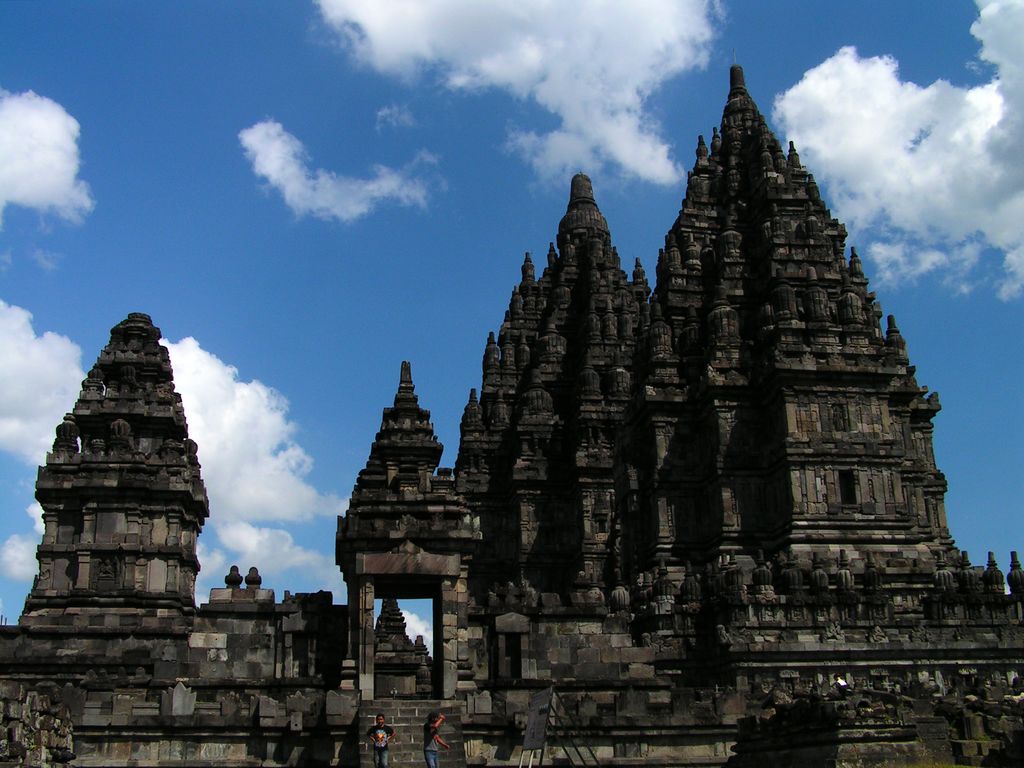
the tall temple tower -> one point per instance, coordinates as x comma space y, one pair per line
686, 510
752, 403
122, 497
744, 428
771, 412
537, 448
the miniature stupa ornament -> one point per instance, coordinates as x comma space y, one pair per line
583, 219
622, 464
736, 80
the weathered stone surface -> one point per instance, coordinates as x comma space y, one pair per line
708, 514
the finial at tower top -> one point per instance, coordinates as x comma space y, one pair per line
406, 390
736, 80
581, 188
582, 219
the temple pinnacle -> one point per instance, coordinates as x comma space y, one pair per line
583, 219
736, 80
581, 189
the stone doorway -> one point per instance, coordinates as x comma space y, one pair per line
410, 573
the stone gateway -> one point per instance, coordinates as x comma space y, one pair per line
708, 514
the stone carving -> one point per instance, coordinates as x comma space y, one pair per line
684, 506
833, 633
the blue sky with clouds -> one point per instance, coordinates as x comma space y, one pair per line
303, 195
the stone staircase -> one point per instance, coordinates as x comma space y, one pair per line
407, 716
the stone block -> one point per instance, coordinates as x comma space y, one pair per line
550, 600
145, 709
122, 704
643, 654
482, 703
974, 727
587, 707
600, 642
966, 748
341, 704
267, 707
619, 641
641, 671
95, 719
592, 671
555, 654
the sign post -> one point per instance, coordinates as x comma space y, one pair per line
536, 725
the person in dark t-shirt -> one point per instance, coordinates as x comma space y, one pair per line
432, 739
380, 736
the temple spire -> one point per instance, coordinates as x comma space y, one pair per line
406, 449
739, 103
406, 391
126, 435
583, 219
736, 81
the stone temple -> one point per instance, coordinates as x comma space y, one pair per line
707, 513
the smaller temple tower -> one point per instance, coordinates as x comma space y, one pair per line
537, 452
402, 665
407, 534
122, 498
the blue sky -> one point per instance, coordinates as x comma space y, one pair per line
303, 195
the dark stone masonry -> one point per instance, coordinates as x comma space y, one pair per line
708, 514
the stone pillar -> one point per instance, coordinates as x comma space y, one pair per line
84, 572
362, 641
464, 669
350, 665
449, 637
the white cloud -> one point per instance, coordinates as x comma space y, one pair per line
18, 557
40, 379
936, 168
906, 260
254, 472
395, 116
39, 157
18, 552
213, 566
417, 625
271, 550
280, 158
35, 514
252, 466
590, 63
46, 260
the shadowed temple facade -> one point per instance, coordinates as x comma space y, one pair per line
703, 507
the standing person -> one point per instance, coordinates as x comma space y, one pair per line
432, 739
380, 736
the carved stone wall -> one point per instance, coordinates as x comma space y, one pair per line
708, 514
